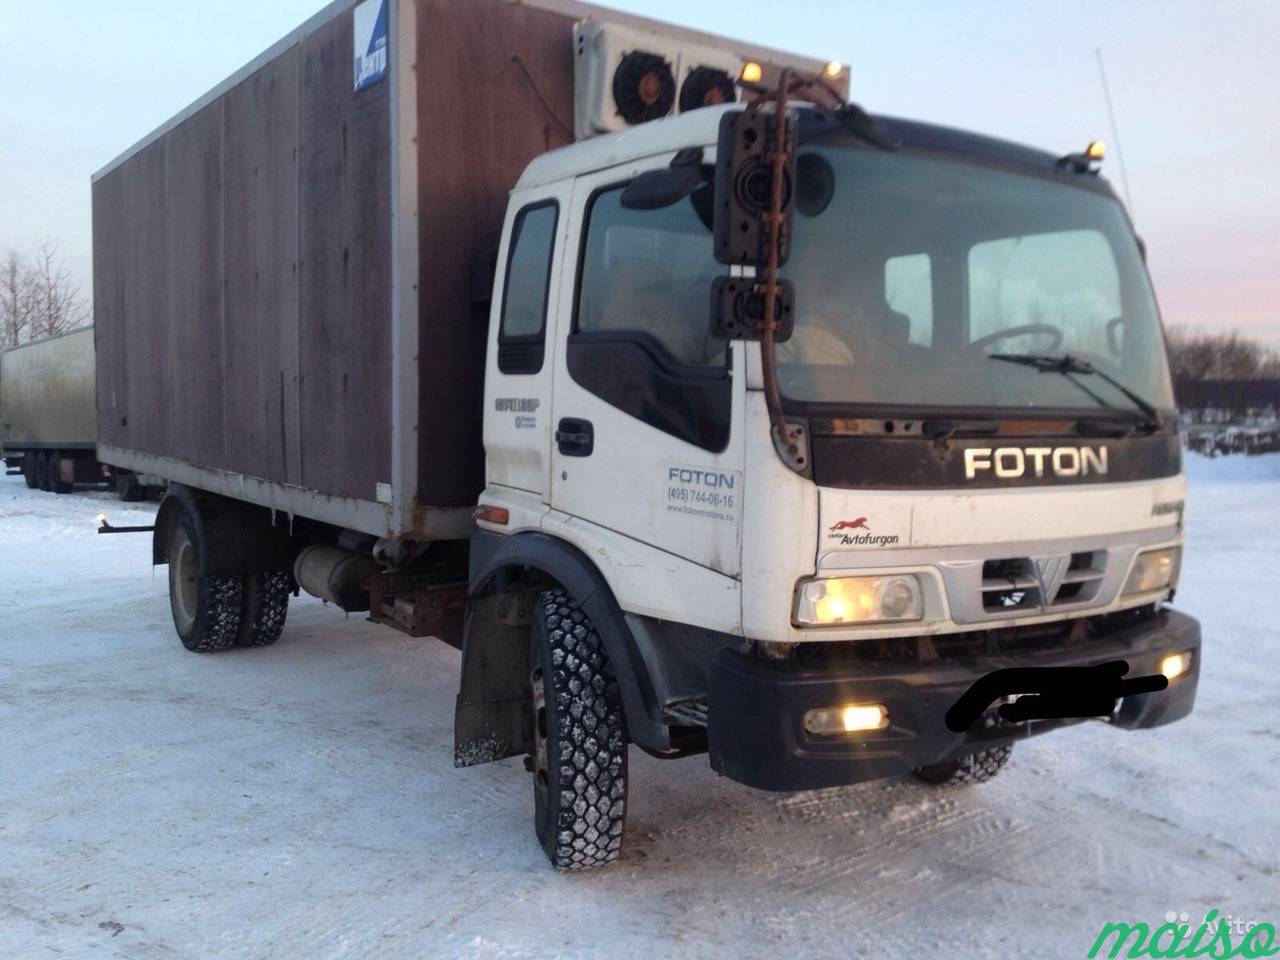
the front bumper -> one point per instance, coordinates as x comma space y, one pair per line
756, 731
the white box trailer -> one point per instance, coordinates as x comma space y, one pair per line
48, 421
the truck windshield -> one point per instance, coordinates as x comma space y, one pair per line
910, 271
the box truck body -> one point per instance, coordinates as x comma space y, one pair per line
287, 275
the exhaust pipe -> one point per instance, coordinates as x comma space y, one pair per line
336, 575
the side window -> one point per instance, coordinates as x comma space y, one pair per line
908, 291
650, 272
522, 335
642, 340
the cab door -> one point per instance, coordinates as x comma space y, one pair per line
648, 407
518, 379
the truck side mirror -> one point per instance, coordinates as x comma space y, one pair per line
737, 309
744, 187
655, 189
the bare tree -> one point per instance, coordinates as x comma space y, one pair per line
1195, 356
15, 300
56, 304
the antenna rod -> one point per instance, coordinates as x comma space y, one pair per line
1115, 131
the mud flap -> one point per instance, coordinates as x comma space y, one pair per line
494, 714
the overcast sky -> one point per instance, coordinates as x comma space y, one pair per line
1196, 87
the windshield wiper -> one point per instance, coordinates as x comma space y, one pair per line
1068, 365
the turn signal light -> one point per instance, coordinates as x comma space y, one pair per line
752, 72
498, 515
1096, 150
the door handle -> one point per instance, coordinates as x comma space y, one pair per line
574, 437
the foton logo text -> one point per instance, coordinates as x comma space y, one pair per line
1008, 463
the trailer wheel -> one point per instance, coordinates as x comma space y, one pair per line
29, 470
41, 471
206, 609
54, 468
975, 768
263, 607
580, 751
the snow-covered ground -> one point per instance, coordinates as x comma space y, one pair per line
299, 801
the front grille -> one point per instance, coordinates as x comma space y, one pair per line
1016, 584
1009, 585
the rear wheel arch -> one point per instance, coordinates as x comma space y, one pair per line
236, 537
171, 508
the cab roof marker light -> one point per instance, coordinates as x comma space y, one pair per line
1087, 160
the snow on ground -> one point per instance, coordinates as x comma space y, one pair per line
299, 801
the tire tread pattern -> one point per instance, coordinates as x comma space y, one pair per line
592, 766
977, 767
265, 606
221, 623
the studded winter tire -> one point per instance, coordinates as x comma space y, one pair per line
580, 759
975, 768
264, 605
206, 609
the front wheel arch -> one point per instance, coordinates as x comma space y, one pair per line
534, 561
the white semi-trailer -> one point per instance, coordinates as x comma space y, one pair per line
833, 446
48, 424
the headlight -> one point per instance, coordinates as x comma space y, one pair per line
858, 600
1153, 570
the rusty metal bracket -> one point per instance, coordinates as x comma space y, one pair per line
419, 605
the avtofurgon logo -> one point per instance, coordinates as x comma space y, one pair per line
1011, 462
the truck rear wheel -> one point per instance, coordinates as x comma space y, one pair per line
263, 607
975, 768
206, 609
128, 488
56, 483
580, 751
29, 470
40, 472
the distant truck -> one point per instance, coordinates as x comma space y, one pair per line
703, 411
48, 421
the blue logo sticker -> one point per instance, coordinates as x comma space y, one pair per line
369, 31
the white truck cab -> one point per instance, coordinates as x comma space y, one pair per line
977, 488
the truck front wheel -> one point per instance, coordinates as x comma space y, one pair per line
974, 768
206, 609
580, 751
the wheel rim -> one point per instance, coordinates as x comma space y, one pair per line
183, 575
538, 685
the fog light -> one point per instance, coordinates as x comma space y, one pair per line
850, 718
1152, 570
837, 600
1175, 665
